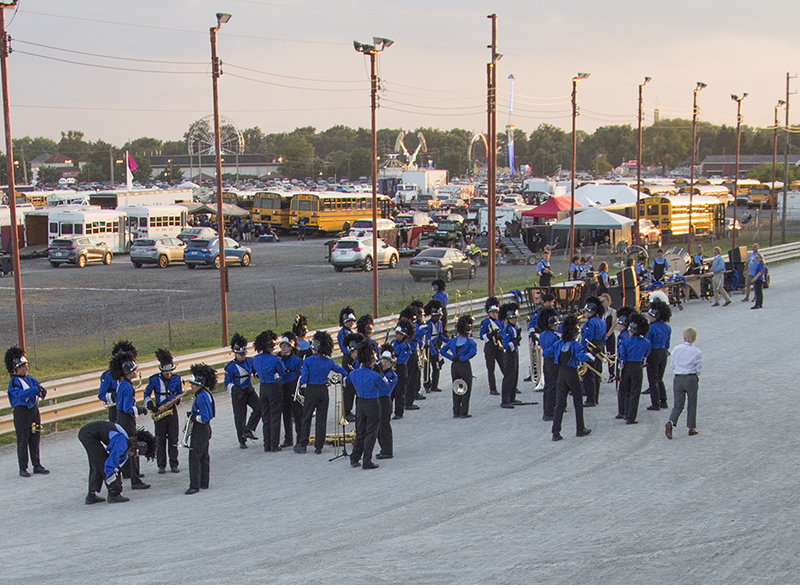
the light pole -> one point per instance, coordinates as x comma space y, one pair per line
698, 88
215, 73
773, 195
491, 155
575, 81
377, 46
639, 161
12, 196
738, 101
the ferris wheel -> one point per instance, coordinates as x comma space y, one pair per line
201, 137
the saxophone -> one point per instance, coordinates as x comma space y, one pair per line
165, 409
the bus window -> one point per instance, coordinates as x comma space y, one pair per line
66, 229
78, 228
315, 205
665, 210
304, 205
652, 210
142, 222
53, 228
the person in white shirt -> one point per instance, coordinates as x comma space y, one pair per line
687, 363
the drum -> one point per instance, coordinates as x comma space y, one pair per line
567, 293
530, 292
679, 261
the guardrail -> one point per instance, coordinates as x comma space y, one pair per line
782, 252
76, 396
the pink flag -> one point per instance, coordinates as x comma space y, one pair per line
132, 163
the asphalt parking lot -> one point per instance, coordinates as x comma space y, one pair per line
487, 500
70, 302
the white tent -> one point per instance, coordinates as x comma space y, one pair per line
593, 195
594, 218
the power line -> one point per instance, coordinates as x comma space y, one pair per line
96, 66
291, 86
360, 81
109, 56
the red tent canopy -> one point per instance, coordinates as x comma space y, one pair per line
550, 208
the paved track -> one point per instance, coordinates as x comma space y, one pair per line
485, 500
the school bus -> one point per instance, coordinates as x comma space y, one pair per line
272, 208
671, 214
243, 199
721, 192
333, 211
744, 186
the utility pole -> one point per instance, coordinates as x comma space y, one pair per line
575, 81
773, 196
215, 73
738, 101
12, 196
786, 161
491, 175
700, 85
639, 163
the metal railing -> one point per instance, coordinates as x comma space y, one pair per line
76, 396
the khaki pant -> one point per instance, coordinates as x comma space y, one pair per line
719, 288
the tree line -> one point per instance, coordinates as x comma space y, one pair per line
341, 151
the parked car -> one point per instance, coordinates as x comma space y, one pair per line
205, 252
358, 253
161, 251
78, 250
513, 200
425, 202
448, 233
444, 263
196, 232
420, 220
649, 232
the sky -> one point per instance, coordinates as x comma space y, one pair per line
118, 70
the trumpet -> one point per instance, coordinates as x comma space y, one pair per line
602, 355
584, 367
187, 432
165, 409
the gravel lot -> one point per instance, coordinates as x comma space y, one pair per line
70, 302
485, 500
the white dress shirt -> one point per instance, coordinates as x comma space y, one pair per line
686, 359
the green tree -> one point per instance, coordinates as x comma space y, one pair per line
72, 145
254, 141
18, 171
763, 173
360, 163
667, 143
49, 175
33, 147
174, 148
551, 148
176, 176
297, 154
335, 138
144, 145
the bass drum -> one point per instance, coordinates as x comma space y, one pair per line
679, 261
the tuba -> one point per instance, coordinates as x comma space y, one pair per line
536, 361
460, 387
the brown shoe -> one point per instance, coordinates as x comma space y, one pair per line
668, 429
692, 432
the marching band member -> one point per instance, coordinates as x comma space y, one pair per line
108, 448
203, 381
385, 367
491, 332
365, 327
413, 365
509, 315
459, 350
633, 350
123, 369
238, 376
659, 337
162, 388
402, 350
575, 268
269, 369
108, 386
292, 410
440, 295
548, 325
593, 335
419, 342
24, 393
313, 383
435, 336
347, 321
660, 266
610, 318
300, 329
568, 355
543, 270
370, 386
624, 315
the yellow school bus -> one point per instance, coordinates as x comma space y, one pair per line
721, 192
271, 208
332, 211
671, 214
